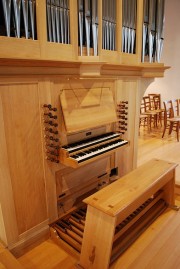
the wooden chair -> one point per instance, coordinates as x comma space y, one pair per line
150, 112
176, 107
157, 107
151, 96
170, 122
144, 118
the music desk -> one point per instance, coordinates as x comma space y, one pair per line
120, 212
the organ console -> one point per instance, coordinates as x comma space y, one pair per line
89, 108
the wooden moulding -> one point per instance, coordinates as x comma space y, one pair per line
143, 70
79, 68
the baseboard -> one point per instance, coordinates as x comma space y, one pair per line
30, 239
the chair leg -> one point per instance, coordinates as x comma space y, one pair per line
171, 127
178, 125
165, 127
160, 118
155, 121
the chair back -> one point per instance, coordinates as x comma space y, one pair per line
168, 110
147, 103
176, 105
157, 101
142, 108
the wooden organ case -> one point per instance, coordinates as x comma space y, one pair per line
69, 120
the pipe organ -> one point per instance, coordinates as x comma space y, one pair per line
58, 21
129, 14
71, 82
153, 30
19, 21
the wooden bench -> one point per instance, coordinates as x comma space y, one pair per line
120, 212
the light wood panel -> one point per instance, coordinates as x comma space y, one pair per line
49, 169
23, 141
97, 239
87, 108
73, 178
27, 49
74, 183
127, 90
8, 230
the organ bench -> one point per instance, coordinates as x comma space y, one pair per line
120, 212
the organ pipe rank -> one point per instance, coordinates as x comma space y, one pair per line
19, 18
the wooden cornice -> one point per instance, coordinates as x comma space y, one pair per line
15, 67
144, 70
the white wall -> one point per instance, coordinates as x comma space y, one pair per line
169, 86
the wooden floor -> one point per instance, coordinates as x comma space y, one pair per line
152, 145
158, 247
